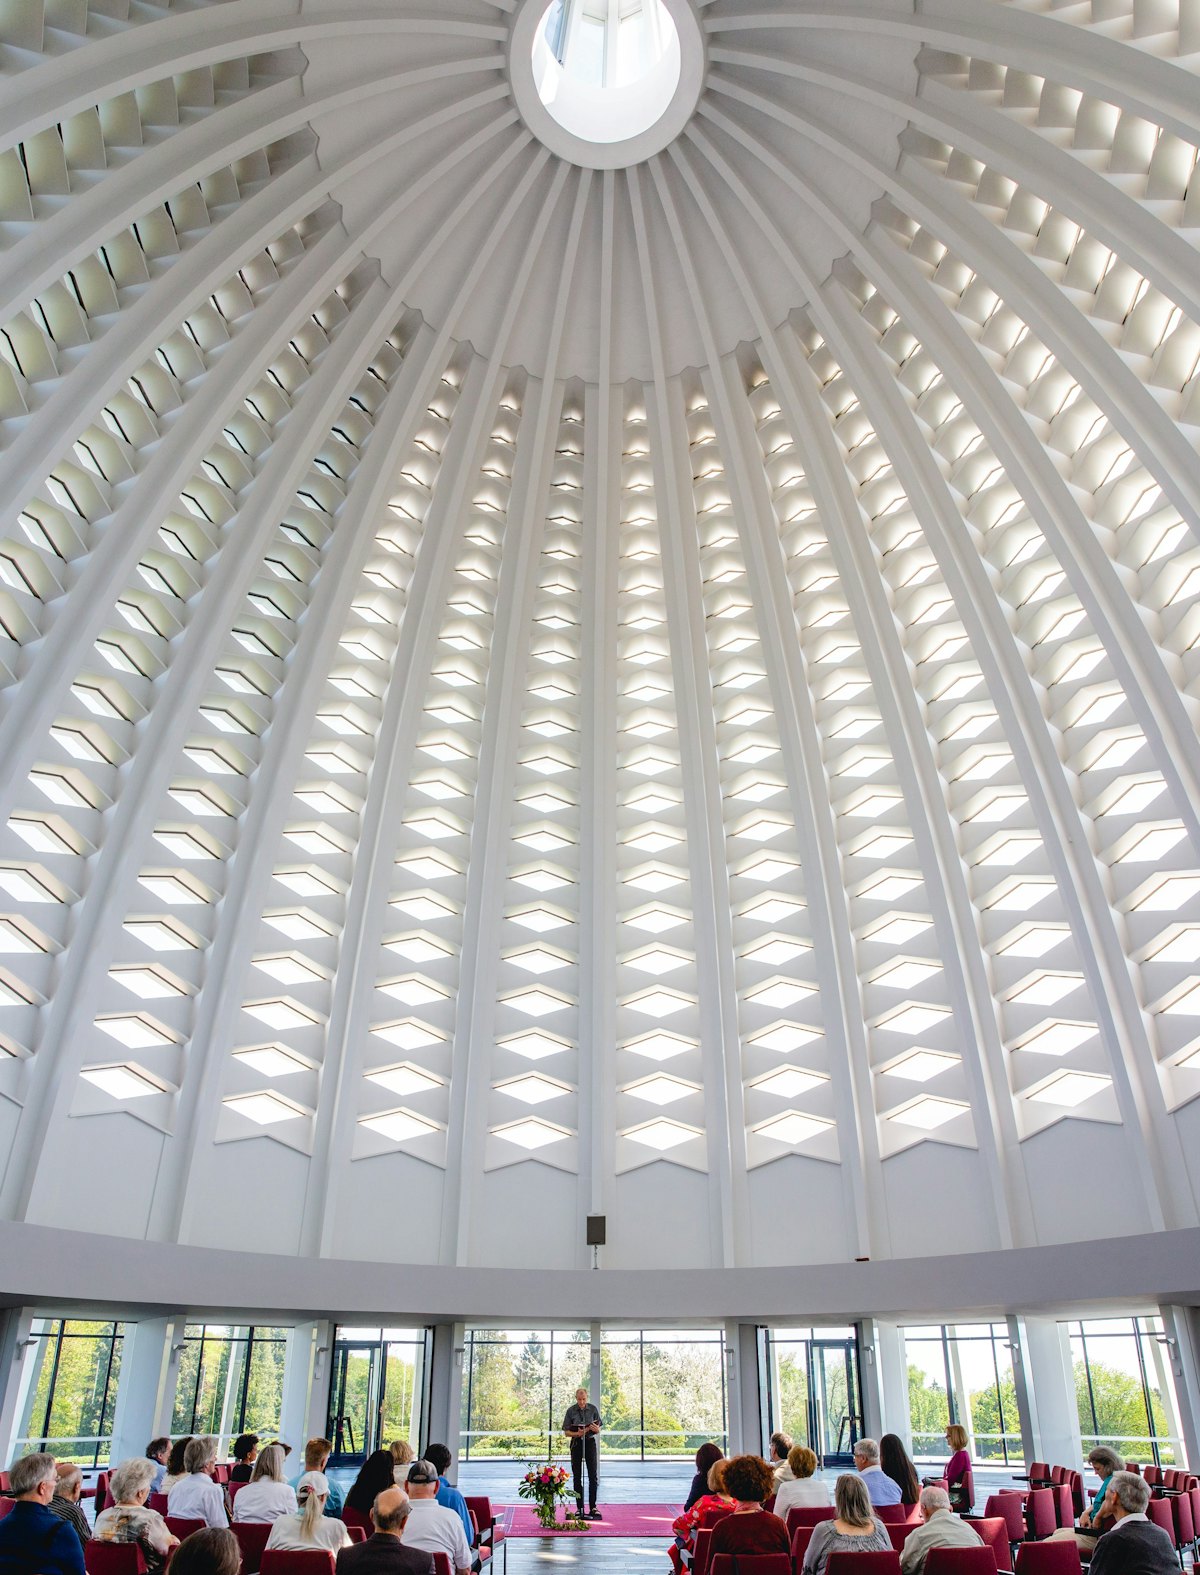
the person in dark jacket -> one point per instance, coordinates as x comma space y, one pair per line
1134, 1545
706, 1457
384, 1553
33, 1540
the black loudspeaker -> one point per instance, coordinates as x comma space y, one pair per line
596, 1229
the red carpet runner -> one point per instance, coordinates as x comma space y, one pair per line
620, 1520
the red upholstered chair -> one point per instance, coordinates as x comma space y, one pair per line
1064, 1504
1153, 1475
355, 1517
1075, 1483
101, 1491
252, 1540
113, 1558
809, 1515
994, 1531
801, 1538
863, 1564
1009, 1508
317, 1561
751, 1564
892, 1514
899, 1534
714, 1512
5, 1483
6, 1506
441, 1564
1042, 1520
701, 1551
962, 1494
490, 1534
180, 1527
158, 1502
356, 1534
232, 1489
1049, 1558
1184, 1532
1194, 1496
221, 1474
960, 1561
1134, 1466
769, 1504
1039, 1474
1158, 1510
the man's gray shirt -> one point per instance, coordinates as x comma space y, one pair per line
580, 1416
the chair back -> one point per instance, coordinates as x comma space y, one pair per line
1134, 1466
1043, 1521
5, 1482
356, 1534
181, 1527
113, 1558
994, 1531
801, 1538
1049, 1558
481, 1508
769, 1504
6, 1505
1158, 1510
962, 1494
848, 1563
157, 1502
252, 1540
1181, 1511
1039, 1474
221, 1473
102, 1498
1064, 1504
809, 1515
899, 1534
306, 1561
714, 1512
960, 1561
701, 1551
1153, 1475
751, 1564
234, 1488
892, 1514
355, 1517
1075, 1483
442, 1565
1009, 1508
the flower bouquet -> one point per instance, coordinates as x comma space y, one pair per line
546, 1485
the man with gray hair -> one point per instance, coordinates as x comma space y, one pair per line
65, 1504
880, 1487
32, 1540
384, 1552
942, 1529
1135, 1545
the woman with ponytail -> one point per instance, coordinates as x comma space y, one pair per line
310, 1528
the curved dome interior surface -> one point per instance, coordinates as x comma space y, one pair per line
649, 692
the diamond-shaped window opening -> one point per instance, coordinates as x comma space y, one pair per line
533, 1088
309, 880
465, 634
755, 787
320, 839
862, 763
14, 993
1148, 842
450, 749
1043, 988
656, 918
124, 1080
298, 924
272, 1060
554, 649
879, 843
542, 877
647, 722
541, 918
409, 1033
919, 1065
546, 799
161, 934
458, 671
928, 1112
400, 1125
425, 906
531, 1133
658, 1002
649, 760
1178, 943
653, 877
660, 1045
85, 741
872, 803
65, 786
661, 1134
762, 826
1019, 895
546, 762
886, 886
1094, 705
554, 688
1183, 1000
539, 960
135, 1030
830, 648
1129, 795
346, 720
426, 864
980, 763
661, 1089
792, 1127
1113, 748
966, 722
440, 786
647, 687
1068, 1089
436, 824
230, 716
765, 867
203, 799
149, 981
853, 722
282, 1013
774, 949
266, 1108
1056, 1036
912, 1017
956, 683
188, 842
747, 749
544, 838
783, 1037
419, 947
174, 887
788, 1082
1160, 894
658, 961
364, 645
549, 722
537, 1001
652, 798
896, 929
1031, 940
452, 710
414, 989
745, 710
778, 993
20, 938
652, 837
771, 908
993, 806
291, 968
405, 1078
535, 1044
904, 973
47, 834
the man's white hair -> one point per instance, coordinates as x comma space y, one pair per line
867, 1449
933, 1499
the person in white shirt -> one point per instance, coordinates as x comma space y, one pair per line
309, 1529
430, 1527
801, 1490
781, 1443
266, 1496
196, 1496
940, 1529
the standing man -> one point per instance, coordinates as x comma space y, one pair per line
582, 1426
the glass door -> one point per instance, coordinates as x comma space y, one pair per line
354, 1402
835, 1422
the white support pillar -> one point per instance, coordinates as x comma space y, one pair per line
304, 1407
15, 1373
1049, 1392
891, 1378
146, 1391
443, 1412
1182, 1328
872, 1406
1016, 1342
745, 1391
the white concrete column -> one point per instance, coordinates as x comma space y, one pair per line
872, 1405
16, 1371
1049, 1392
1182, 1328
442, 1408
745, 1389
891, 1378
303, 1409
146, 1390
1016, 1340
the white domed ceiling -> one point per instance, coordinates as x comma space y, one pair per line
532, 690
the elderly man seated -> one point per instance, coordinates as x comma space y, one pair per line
1134, 1545
942, 1529
31, 1537
65, 1504
881, 1489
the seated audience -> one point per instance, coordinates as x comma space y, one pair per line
894, 1463
1133, 1545
688, 1523
208, 1552
196, 1496
706, 1457
853, 1530
157, 1451
801, 1490
880, 1487
1105, 1462
176, 1470
245, 1454
429, 1527
31, 1537
448, 1495
384, 1552
780, 1444
128, 1520
316, 1457
377, 1472
750, 1529
403, 1454
266, 1496
941, 1529
311, 1527
65, 1503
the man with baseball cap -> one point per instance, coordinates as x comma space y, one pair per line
429, 1526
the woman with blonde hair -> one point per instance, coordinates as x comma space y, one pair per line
687, 1524
402, 1453
311, 1528
266, 1496
801, 1490
853, 1530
